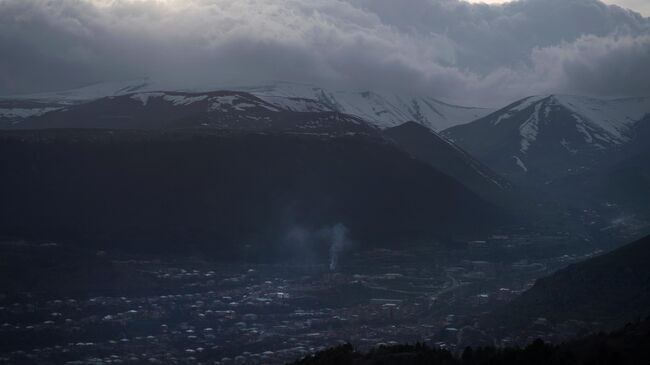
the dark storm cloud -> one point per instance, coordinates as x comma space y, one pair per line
447, 48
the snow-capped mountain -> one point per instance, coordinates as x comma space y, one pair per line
553, 135
94, 91
15, 111
231, 110
383, 110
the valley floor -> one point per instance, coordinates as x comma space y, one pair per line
196, 310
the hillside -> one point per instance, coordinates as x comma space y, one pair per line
428, 147
611, 288
224, 192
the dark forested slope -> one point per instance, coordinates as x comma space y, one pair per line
611, 288
223, 192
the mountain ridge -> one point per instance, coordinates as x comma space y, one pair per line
219, 109
382, 109
551, 135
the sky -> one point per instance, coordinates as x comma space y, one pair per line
640, 6
473, 54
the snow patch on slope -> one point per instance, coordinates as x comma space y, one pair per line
184, 100
615, 117
530, 129
520, 163
297, 104
236, 102
144, 97
518, 107
24, 112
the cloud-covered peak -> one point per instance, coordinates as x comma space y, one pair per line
450, 49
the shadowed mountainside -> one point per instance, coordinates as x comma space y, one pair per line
611, 288
225, 193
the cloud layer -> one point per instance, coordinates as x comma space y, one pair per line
473, 53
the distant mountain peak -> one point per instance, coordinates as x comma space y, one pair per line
538, 134
382, 109
601, 122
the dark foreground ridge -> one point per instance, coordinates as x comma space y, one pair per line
176, 191
612, 289
630, 345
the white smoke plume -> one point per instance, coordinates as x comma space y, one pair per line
339, 238
306, 245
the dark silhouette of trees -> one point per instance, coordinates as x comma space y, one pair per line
631, 345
